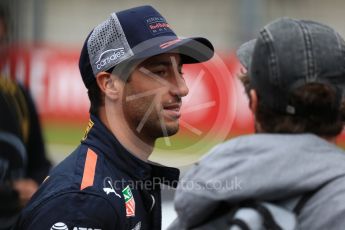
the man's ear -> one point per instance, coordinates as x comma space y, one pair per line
253, 100
109, 85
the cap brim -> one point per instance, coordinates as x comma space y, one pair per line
195, 50
245, 53
192, 50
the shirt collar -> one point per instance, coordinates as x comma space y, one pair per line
99, 137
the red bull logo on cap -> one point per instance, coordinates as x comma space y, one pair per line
158, 25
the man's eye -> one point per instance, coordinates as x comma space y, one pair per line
161, 73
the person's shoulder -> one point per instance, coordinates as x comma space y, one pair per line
231, 146
83, 168
73, 209
83, 171
67, 174
75, 194
326, 207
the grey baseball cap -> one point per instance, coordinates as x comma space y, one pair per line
289, 53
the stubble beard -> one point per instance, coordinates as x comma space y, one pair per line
154, 126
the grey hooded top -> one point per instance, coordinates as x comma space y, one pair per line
268, 167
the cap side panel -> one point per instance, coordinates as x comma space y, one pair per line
107, 45
341, 46
272, 57
310, 60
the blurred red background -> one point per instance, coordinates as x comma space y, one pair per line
216, 101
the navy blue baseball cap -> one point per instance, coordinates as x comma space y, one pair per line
136, 34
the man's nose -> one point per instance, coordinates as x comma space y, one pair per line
179, 88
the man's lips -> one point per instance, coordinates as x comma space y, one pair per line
172, 110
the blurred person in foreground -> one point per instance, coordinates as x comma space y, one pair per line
131, 65
295, 81
23, 161
3, 28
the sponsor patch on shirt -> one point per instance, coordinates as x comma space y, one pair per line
157, 25
108, 187
59, 226
137, 226
129, 201
85, 228
63, 226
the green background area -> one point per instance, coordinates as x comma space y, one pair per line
62, 138
63, 133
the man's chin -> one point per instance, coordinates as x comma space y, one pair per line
171, 129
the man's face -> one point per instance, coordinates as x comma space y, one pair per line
152, 96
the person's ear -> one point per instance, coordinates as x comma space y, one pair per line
253, 100
109, 85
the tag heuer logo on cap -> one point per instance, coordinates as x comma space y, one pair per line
129, 201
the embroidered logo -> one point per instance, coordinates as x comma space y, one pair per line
137, 226
110, 189
88, 128
59, 226
129, 201
109, 56
157, 25
85, 228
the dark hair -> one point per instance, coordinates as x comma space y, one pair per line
96, 98
319, 111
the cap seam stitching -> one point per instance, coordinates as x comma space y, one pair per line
341, 47
273, 62
311, 72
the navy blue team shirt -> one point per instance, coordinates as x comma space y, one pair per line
99, 186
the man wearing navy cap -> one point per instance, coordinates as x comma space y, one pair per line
131, 65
